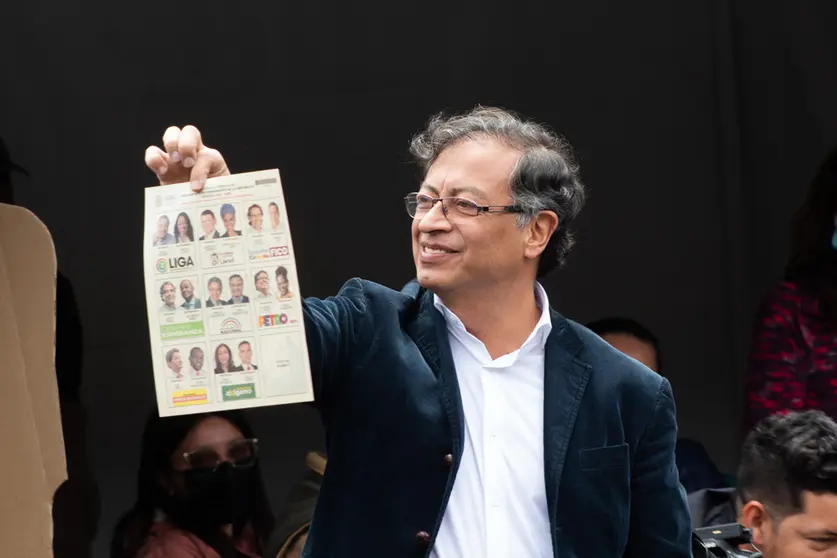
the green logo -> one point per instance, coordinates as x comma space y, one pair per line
239, 391
177, 331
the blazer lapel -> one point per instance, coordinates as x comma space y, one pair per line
429, 332
565, 379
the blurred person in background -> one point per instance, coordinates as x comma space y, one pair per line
291, 532
793, 359
694, 466
787, 488
199, 491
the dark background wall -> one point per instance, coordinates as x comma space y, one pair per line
697, 125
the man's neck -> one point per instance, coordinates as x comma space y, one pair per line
502, 320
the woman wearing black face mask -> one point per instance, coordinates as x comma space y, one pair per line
199, 493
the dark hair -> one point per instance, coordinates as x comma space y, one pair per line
159, 441
218, 368
546, 177
813, 260
190, 233
282, 271
786, 455
236, 276
630, 327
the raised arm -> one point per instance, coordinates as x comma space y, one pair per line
660, 521
336, 328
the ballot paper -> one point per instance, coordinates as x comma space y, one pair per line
224, 306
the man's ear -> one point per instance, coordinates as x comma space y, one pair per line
540, 230
755, 518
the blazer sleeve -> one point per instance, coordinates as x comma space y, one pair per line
336, 329
660, 523
778, 365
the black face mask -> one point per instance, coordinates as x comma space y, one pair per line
212, 498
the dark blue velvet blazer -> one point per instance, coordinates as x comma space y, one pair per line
386, 387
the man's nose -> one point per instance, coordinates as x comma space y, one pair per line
435, 219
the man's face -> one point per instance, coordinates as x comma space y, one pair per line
262, 282
208, 224
168, 294
460, 251
176, 363
634, 348
186, 289
812, 533
256, 217
229, 221
245, 353
237, 287
274, 215
162, 226
196, 359
214, 290
282, 284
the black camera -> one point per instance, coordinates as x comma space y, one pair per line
722, 541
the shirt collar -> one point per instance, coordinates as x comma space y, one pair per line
540, 332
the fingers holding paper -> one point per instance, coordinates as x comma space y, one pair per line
185, 158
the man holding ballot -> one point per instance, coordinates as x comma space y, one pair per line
466, 418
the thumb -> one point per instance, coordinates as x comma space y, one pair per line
210, 163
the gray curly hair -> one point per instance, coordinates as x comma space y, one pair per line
546, 177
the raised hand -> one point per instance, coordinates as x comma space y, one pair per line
185, 158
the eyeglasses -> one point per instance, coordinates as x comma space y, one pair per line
240, 453
419, 204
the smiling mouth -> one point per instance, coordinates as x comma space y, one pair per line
429, 250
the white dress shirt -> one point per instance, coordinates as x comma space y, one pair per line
497, 508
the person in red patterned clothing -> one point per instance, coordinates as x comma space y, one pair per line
793, 360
